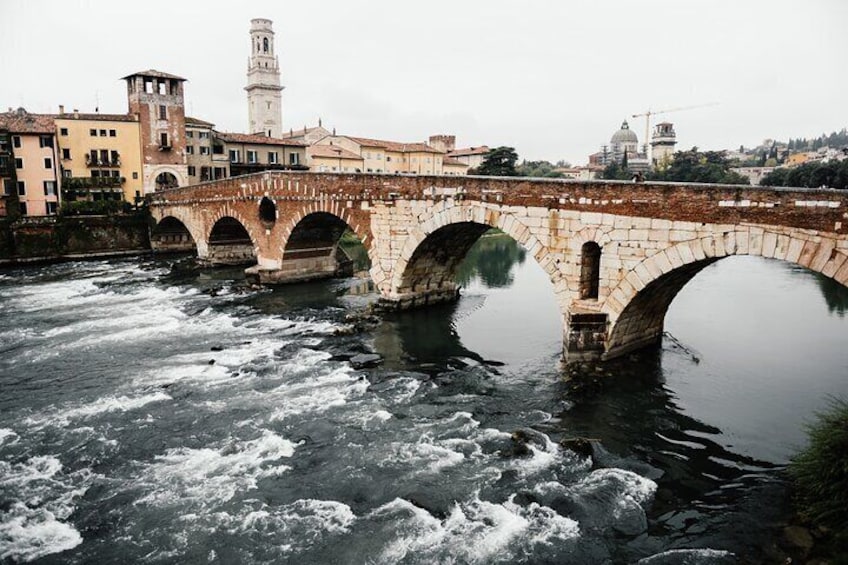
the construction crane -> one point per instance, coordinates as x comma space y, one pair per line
650, 113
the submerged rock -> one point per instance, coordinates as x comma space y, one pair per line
365, 360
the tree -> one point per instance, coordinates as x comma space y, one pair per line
698, 166
833, 174
499, 162
543, 169
614, 171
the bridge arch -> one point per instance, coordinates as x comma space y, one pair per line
637, 306
230, 240
169, 226
425, 269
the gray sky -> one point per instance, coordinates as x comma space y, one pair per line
552, 79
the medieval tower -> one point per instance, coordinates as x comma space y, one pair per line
264, 99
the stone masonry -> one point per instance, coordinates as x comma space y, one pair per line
654, 237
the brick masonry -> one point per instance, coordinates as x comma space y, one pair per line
654, 237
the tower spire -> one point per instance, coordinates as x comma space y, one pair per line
264, 98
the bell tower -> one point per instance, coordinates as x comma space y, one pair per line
264, 98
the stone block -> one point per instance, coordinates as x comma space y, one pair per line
769, 243
638, 235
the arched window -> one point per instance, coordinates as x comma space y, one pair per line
265, 44
590, 270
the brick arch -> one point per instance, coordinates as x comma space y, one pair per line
636, 307
436, 219
195, 229
333, 208
228, 211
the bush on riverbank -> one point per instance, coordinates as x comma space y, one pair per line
95, 208
820, 472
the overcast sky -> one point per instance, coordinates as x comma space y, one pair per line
554, 79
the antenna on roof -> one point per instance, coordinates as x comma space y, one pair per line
96, 102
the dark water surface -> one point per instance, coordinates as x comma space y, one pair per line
154, 417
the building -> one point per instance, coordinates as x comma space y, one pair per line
99, 156
264, 93
473, 157
380, 156
307, 135
249, 153
623, 149
9, 206
663, 141
206, 156
33, 152
156, 98
453, 167
333, 158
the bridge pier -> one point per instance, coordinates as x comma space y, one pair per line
445, 293
302, 269
585, 337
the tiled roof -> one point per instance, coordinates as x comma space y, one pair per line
333, 151
153, 73
395, 146
257, 139
197, 122
21, 121
482, 150
448, 161
301, 132
97, 117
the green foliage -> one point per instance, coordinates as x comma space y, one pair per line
699, 166
77, 183
835, 139
491, 259
833, 174
94, 208
538, 169
614, 171
499, 162
820, 472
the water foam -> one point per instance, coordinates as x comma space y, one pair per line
41, 498
104, 405
214, 475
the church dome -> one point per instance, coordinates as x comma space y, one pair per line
624, 135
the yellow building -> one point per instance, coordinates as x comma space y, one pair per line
100, 156
797, 159
380, 156
33, 148
333, 158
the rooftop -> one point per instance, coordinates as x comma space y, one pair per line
332, 151
153, 73
257, 139
96, 117
197, 122
482, 150
396, 146
21, 121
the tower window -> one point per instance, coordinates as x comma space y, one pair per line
148, 86
162, 87
590, 270
163, 112
163, 139
265, 44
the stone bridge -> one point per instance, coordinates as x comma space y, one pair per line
616, 253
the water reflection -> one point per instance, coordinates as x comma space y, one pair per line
835, 295
491, 260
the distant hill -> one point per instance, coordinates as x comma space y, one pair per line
835, 139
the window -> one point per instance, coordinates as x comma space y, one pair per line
63, 131
163, 139
205, 174
235, 156
16, 141
148, 86
174, 87
265, 44
21, 188
163, 112
104, 157
204, 150
203, 134
116, 159
113, 133
220, 172
189, 134
115, 174
66, 153
294, 158
192, 171
272, 158
23, 208
51, 208
163, 87
92, 132
67, 173
190, 149
135, 175
590, 270
251, 156
388, 158
19, 163
50, 188
7, 186
103, 133
48, 163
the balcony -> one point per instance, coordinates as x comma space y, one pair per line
95, 161
87, 183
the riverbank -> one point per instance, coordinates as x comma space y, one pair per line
56, 238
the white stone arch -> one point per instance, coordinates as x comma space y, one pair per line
195, 229
823, 253
328, 207
438, 217
227, 211
153, 172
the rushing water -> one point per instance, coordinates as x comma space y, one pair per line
153, 415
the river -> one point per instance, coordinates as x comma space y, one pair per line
152, 414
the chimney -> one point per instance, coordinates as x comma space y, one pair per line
61, 109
